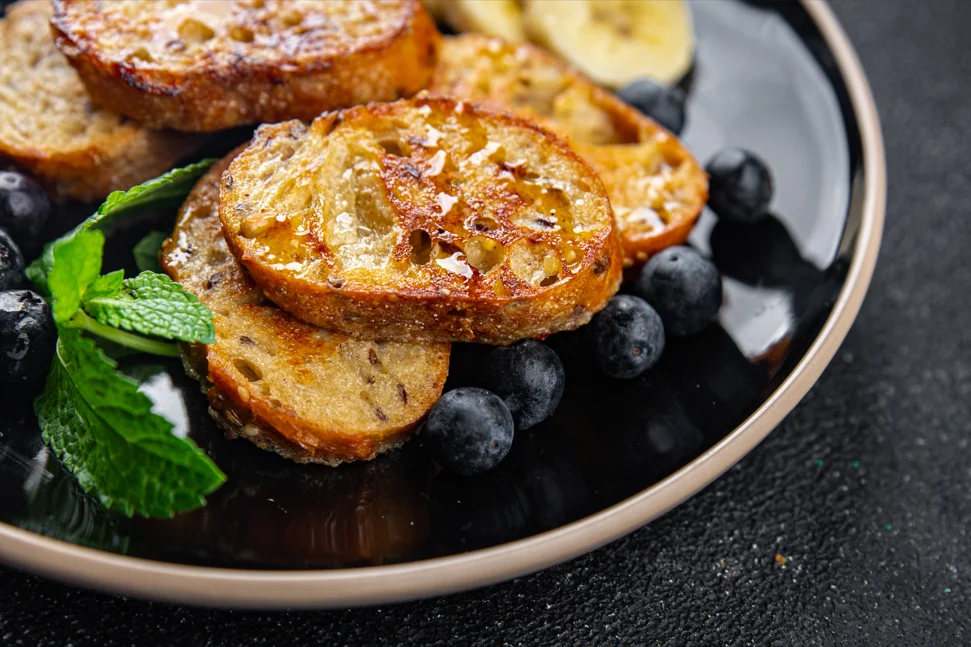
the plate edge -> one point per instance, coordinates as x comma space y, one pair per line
343, 588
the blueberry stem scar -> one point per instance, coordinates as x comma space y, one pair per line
122, 338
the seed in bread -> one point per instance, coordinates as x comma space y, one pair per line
203, 65
49, 126
656, 187
307, 394
426, 219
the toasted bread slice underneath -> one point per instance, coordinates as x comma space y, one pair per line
423, 220
200, 65
656, 187
309, 395
49, 127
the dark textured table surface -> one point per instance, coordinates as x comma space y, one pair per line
865, 489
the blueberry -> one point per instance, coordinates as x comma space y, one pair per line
24, 206
684, 287
11, 263
27, 336
663, 104
469, 430
740, 186
529, 377
626, 337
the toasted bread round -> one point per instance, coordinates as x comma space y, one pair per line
425, 219
203, 65
307, 394
656, 187
49, 127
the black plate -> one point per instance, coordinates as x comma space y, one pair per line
764, 79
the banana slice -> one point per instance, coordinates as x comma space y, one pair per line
502, 18
615, 41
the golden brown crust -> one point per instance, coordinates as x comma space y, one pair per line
49, 126
423, 219
198, 65
656, 187
288, 387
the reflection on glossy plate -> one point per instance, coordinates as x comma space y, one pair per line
781, 82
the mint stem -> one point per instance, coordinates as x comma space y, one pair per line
135, 342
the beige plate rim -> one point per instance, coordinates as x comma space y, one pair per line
382, 584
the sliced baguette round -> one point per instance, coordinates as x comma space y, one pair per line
656, 186
425, 219
49, 126
199, 65
307, 394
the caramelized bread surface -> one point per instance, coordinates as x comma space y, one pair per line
656, 187
203, 65
310, 395
426, 219
49, 126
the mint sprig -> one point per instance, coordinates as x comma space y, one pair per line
102, 429
113, 307
92, 416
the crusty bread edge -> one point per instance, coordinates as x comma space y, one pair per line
226, 97
90, 174
231, 417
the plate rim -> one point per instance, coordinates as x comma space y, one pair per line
342, 588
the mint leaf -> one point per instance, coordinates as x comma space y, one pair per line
172, 186
168, 189
105, 285
38, 271
153, 304
77, 263
102, 429
147, 251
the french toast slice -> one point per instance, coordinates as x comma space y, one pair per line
307, 394
425, 219
656, 186
49, 126
204, 65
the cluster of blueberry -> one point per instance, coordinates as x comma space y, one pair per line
27, 334
678, 293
